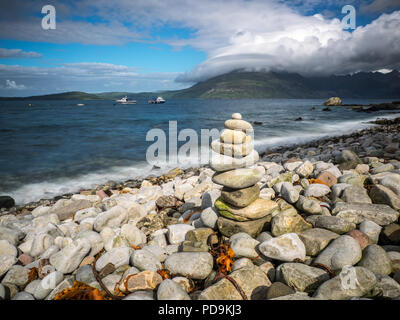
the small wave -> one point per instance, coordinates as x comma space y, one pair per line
321, 131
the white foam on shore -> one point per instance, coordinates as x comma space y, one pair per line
55, 187
324, 130
51, 188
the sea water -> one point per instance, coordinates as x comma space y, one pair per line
56, 147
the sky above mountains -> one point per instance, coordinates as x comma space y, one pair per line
147, 45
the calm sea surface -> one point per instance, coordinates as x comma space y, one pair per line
56, 147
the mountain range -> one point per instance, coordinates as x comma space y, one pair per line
242, 84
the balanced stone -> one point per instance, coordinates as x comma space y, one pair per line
233, 150
233, 136
242, 197
237, 116
220, 162
238, 124
256, 210
239, 178
230, 227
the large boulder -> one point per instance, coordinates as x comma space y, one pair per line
333, 101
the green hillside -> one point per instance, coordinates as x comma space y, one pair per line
239, 85
289, 85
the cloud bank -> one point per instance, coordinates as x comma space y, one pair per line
256, 35
85, 76
308, 45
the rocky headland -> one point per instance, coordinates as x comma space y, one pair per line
313, 221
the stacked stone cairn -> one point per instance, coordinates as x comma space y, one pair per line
235, 161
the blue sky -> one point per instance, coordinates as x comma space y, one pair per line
147, 45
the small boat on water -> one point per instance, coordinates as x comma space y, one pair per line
125, 100
157, 101
80, 104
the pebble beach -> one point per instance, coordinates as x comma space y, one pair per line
316, 221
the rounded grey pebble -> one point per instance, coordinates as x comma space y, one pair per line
140, 295
23, 296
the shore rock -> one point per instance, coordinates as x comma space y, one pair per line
279, 289
351, 282
355, 194
6, 262
383, 195
65, 208
386, 287
171, 290
343, 251
116, 256
288, 221
358, 212
375, 258
289, 193
252, 280
309, 205
7, 249
195, 265
69, 258
145, 260
287, 247
145, 280
17, 275
177, 232
301, 277
334, 224
48, 284
371, 229
244, 246
316, 239
316, 190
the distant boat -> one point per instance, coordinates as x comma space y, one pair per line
80, 104
125, 100
30, 105
157, 101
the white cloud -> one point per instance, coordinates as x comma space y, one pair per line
11, 84
18, 53
85, 76
308, 45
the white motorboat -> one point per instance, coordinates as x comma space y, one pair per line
156, 101
160, 100
125, 100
